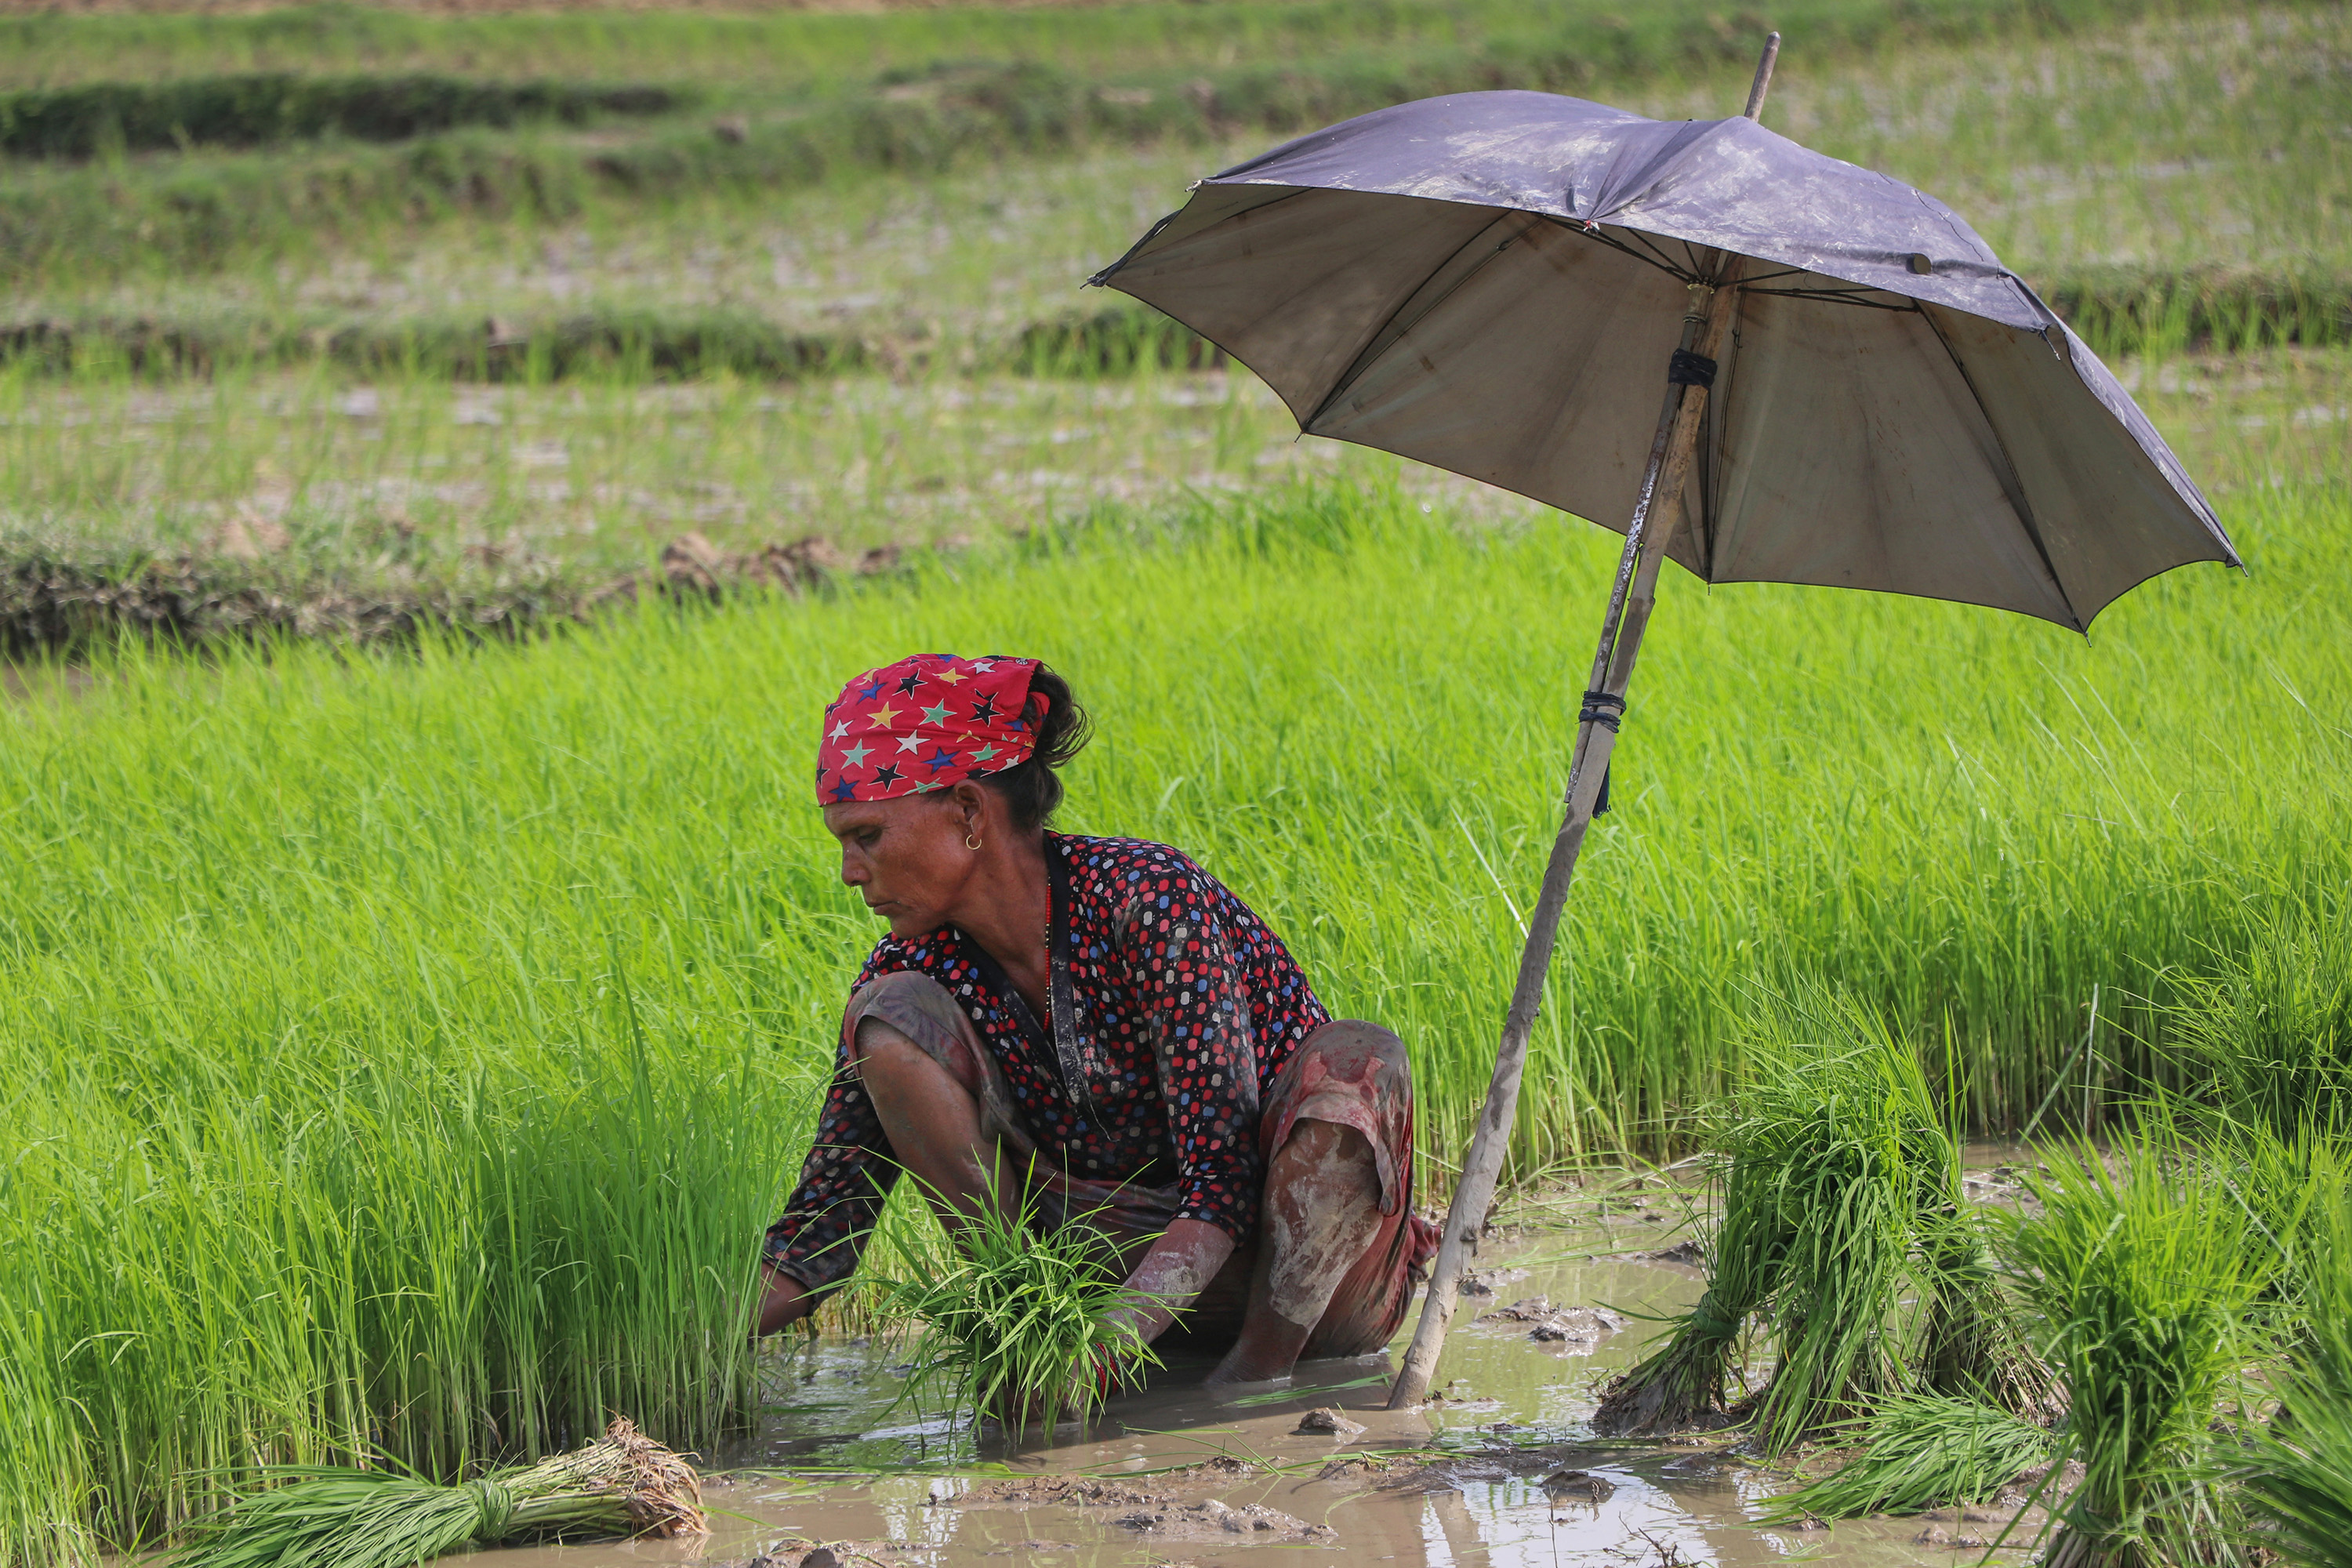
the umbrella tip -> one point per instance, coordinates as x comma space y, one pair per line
1763, 84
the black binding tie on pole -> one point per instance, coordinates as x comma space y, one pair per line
1603, 709
1687, 369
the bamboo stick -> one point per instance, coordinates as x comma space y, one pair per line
1630, 600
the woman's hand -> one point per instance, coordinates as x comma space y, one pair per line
1172, 1275
783, 1300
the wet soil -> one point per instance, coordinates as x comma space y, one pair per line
1500, 1470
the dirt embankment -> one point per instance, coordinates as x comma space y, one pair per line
57, 605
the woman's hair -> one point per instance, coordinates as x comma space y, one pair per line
1033, 790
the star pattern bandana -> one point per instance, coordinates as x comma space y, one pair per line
925, 722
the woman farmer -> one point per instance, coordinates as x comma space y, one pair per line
1089, 1028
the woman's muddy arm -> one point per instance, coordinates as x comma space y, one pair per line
1174, 1274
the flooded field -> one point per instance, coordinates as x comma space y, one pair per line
1503, 1471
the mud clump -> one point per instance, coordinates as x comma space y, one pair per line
1687, 1252
1579, 1486
1354, 1468
1557, 1325
245, 589
1326, 1423
1057, 1491
1213, 1521
819, 1555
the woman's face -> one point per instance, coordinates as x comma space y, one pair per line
908, 859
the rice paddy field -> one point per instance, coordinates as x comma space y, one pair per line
404, 1039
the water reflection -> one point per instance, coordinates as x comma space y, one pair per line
1166, 1478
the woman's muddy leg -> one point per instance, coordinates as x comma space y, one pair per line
933, 1125
1322, 1211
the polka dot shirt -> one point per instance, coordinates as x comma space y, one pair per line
1186, 1007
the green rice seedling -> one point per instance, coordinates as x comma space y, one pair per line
2296, 1470
1695, 1378
1837, 1116
1920, 1451
622, 1484
2145, 1271
1018, 1323
2296, 1473
1971, 1344
2273, 1032
327, 1132
1822, 1148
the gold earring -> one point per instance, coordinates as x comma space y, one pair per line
972, 841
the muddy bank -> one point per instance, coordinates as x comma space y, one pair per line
2119, 311
57, 604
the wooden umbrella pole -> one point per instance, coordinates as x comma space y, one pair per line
1630, 599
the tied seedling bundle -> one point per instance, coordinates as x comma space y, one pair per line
1841, 1198
1920, 1450
1020, 1323
2146, 1271
623, 1484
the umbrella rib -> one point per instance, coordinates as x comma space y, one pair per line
1690, 276
1662, 263
2012, 484
1835, 297
1390, 334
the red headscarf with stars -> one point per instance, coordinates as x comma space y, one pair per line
929, 720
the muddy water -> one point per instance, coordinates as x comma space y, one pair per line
1173, 1477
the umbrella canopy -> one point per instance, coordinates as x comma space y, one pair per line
1480, 282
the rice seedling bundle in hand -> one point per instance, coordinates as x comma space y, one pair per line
1023, 1325
2145, 1275
623, 1484
1922, 1450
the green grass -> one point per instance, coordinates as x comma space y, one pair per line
413, 1048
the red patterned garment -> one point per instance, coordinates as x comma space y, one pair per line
1186, 1007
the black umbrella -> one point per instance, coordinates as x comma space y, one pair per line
1858, 393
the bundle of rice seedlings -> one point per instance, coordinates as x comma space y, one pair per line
1818, 1182
1692, 1380
623, 1484
1021, 1323
1845, 1128
1922, 1450
1842, 1195
2296, 1472
1972, 1343
2271, 1037
2144, 1275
